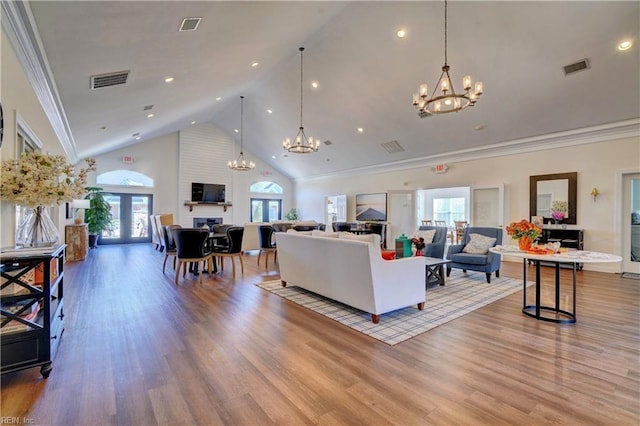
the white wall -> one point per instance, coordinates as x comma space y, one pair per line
597, 165
18, 97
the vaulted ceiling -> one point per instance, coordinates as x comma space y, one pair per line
366, 74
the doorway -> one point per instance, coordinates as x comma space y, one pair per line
630, 222
266, 210
130, 219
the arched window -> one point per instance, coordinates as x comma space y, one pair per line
124, 178
266, 187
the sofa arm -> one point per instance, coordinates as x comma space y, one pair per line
455, 248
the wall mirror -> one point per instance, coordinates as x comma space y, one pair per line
544, 189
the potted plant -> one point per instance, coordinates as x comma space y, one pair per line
292, 215
98, 216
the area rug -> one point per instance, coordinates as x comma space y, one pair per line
461, 294
631, 275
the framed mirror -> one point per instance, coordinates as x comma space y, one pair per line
545, 189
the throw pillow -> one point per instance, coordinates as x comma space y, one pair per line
478, 244
426, 235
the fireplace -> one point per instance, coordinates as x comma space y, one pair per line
198, 222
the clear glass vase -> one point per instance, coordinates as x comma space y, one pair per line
37, 229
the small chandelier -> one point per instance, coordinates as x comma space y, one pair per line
301, 144
448, 100
240, 164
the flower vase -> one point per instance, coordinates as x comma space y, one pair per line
524, 243
37, 229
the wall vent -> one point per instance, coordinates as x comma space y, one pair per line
190, 24
392, 147
109, 79
327, 142
578, 66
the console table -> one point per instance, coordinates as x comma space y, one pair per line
571, 258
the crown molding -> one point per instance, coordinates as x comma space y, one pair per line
23, 35
587, 135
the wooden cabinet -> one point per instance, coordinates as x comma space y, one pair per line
77, 239
31, 321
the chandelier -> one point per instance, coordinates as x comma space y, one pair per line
448, 100
301, 144
240, 164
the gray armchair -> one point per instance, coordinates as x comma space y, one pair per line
436, 247
486, 263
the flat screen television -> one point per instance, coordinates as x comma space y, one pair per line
207, 193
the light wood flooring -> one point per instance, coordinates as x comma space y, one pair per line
139, 350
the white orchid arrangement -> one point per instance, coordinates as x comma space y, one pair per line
38, 179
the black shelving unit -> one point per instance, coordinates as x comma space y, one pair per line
31, 307
568, 238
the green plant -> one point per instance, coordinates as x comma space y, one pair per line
98, 216
292, 215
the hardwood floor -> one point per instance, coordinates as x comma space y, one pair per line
139, 350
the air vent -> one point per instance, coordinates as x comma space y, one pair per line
110, 79
147, 107
190, 24
578, 66
327, 142
392, 147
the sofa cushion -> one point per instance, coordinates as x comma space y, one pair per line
469, 259
317, 233
369, 238
427, 235
479, 244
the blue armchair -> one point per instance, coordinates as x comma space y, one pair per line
436, 247
486, 263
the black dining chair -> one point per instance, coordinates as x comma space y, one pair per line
191, 247
341, 226
233, 250
267, 245
170, 244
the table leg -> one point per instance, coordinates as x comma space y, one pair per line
574, 291
537, 289
557, 287
524, 283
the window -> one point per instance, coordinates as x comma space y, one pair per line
27, 141
266, 187
124, 178
449, 209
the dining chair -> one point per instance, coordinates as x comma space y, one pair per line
191, 248
170, 244
459, 226
267, 245
233, 250
427, 222
341, 226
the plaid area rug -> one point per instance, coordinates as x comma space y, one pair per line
461, 294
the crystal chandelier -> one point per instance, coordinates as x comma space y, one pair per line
301, 144
448, 100
240, 164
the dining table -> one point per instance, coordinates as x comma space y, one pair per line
537, 310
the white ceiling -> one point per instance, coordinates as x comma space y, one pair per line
366, 74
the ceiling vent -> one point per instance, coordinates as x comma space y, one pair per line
327, 142
578, 66
392, 147
147, 107
110, 79
190, 24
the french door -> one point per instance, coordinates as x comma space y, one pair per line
130, 223
266, 210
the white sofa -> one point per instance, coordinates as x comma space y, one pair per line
351, 272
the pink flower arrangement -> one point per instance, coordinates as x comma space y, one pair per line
557, 215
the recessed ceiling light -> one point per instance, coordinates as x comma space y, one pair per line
236, 130
193, 122
218, 98
269, 111
315, 84
168, 79
138, 138
150, 115
625, 45
401, 33
480, 127
360, 130
255, 64
273, 156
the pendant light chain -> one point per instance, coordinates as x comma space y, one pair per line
301, 84
445, 32
240, 164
